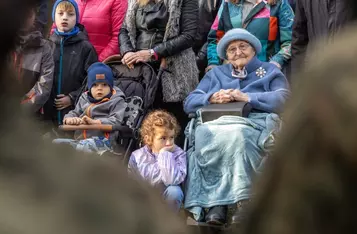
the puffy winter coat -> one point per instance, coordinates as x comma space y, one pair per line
102, 20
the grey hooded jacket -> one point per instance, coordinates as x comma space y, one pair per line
33, 62
108, 111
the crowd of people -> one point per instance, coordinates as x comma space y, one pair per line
215, 52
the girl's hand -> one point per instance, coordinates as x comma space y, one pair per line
168, 148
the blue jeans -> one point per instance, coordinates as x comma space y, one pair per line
174, 196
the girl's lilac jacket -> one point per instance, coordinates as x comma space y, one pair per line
168, 168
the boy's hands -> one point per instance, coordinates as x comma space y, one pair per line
168, 148
78, 121
90, 121
62, 102
72, 121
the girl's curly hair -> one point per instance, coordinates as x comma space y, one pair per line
155, 119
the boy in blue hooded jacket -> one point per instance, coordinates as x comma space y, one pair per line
73, 56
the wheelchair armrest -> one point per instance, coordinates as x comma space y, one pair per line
100, 127
214, 111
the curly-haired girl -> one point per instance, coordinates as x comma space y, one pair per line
160, 161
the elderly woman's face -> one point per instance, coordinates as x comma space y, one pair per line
239, 53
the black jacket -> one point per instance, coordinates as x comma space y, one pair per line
155, 24
78, 55
207, 11
316, 19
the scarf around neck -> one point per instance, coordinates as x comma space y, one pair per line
74, 31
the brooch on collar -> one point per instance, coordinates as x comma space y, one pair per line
260, 72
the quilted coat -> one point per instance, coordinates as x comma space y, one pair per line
102, 20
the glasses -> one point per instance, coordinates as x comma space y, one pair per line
233, 49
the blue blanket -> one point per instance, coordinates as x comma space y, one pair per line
225, 155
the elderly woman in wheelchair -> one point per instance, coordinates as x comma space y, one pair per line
227, 148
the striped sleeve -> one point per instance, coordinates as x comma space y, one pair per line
286, 19
213, 38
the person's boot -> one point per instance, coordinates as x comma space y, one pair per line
241, 213
217, 215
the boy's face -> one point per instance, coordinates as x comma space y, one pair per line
100, 90
162, 138
65, 20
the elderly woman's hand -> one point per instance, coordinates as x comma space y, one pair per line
221, 97
239, 96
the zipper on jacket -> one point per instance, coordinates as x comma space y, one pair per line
59, 82
88, 113
152, 38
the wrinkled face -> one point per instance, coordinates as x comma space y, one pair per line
239, 53
100, 90
65, 19
163, 137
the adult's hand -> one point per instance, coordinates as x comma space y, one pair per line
127, 57
239, 96
62, 102
209, 68
221, 97
140, 56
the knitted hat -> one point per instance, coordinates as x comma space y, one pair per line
73, 2
237, 34
99, 72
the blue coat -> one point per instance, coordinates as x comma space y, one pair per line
267, 92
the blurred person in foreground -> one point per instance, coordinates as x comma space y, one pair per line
48, 189
33, 62
316, 21
309, 185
